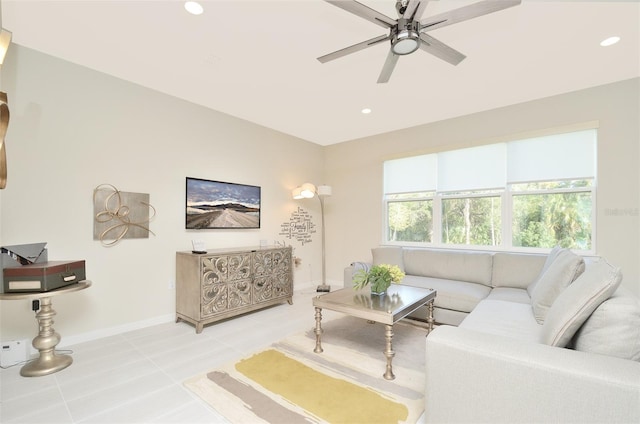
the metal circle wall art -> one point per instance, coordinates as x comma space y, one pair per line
119, 214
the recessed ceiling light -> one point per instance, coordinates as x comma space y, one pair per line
193, 7
366, 110
610, 41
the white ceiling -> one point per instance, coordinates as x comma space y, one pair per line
257, 59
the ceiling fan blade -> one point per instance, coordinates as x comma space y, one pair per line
415, 9
465, 13
364, 12
440, 50
388, 66
352, 49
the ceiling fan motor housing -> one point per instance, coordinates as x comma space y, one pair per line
405, 38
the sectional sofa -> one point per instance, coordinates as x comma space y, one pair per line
524, 338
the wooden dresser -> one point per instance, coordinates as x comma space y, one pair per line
223, 283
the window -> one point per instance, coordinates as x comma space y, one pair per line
552, 213
472, 220
410, 218
525, 194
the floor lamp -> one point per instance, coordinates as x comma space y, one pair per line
307, 191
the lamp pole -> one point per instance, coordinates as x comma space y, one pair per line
323, 287
307, 191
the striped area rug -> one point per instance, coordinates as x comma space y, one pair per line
289, 383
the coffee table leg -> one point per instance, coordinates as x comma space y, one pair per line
389, 353
318, 330
430, 319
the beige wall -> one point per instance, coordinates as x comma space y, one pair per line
72, 129
354, 169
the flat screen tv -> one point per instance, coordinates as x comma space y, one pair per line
217, 204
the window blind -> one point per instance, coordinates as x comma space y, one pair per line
413, 174
555, 157
474, 168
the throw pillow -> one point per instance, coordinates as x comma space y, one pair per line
576, 303
388, 255
550, 258
565, 268
613, 329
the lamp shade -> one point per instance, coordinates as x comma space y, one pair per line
296, 193
308, 190
324, 190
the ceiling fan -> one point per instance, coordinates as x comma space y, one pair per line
409, 32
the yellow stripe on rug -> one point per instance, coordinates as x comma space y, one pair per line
332, 399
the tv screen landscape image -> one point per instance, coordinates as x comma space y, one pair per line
218, 204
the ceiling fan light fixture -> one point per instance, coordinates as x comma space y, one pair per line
406, 41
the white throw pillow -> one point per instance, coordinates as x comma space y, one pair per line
564, 269
576, 303
613, 329
550, 258
388, 255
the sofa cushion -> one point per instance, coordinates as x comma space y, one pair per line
550, 258
391, 255
516, 269
565, 268
613, 329
510, 319
452, 294
576, 303
510, 294
474, 267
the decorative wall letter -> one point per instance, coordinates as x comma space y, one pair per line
300, 227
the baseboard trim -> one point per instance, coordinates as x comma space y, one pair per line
120, 329
114, 331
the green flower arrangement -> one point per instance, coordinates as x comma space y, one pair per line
379, 277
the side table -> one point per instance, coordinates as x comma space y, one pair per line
47, 339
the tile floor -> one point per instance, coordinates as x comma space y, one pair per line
136, 377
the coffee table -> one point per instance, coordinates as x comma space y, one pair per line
399, 302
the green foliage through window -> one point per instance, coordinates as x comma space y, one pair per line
410, 220
547, 220
543, 215
472, 221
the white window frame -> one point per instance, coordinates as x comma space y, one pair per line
508, 230
430, 196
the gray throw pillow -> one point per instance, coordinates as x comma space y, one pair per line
550, 258
613, 329
576, 303
564, 269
